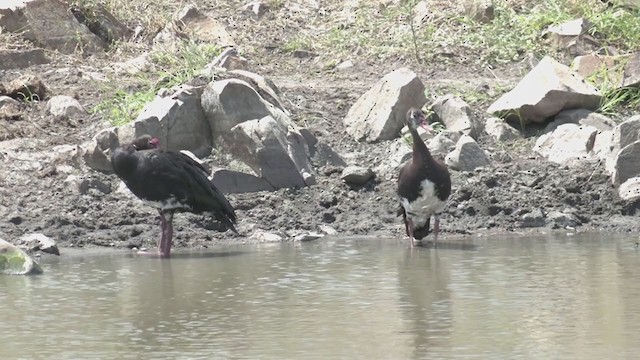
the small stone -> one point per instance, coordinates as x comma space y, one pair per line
264, 236
302, 54
344, 65
65, 106
308, 237
533, 219
356, 175
255, 9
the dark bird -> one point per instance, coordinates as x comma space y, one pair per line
171, 182
424, 184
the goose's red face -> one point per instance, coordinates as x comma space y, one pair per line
417, 118
146, 142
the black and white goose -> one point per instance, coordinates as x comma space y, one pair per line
171, 182
424, 184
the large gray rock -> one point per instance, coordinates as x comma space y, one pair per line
456, 115
65, 106
500, 130
102, 23
630, 189
18, 59
626, 164
265, 87
568, 142
624, 134
443, 143
581, 117
50, 24
14, 261
467, 155
227, 103
232, 182
177, 121
603, 145
546, 90
379, 114
275, 151
39, 242
97, 152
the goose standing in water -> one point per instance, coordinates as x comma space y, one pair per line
171, 182
424, 184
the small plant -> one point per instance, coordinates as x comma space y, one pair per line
299, 42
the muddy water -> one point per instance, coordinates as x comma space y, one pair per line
542, 297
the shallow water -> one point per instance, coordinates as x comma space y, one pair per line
534, 297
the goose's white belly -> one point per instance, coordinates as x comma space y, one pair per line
426, 205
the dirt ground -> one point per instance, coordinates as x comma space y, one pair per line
35, 196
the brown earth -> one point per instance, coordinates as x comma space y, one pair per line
34, 196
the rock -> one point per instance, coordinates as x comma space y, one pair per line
265, 87
49, 24
27, 87
443, 143
379, 114
97, 152
10, 108
18, 59
328, 230
611, 71
14, 261
347, 64
308, 237
356, 175
82, 184
233, 182
602, 145
133, 66
568, 142
255, 9
581, 117
456, 115
630, 189
303, 54
567, 31
275, 151
229, 59
227, 103
264, 236
500, 130
102, 23
533, 219
467, 155
479, 10
203, 28
560, 220
39, 242
177, 121
65, 107
421, 13
325, 155
546, 90
626, 163
624, 134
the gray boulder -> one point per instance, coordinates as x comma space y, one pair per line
356, 175
39, 242
65, 106
14, 261
97, 152
630, 189
379, 114
50, 24
546, 90
467, 155
18, 59
568, 142
233, 182
275, 151
626, 163
626, 133
581, 117
265, 87
611, 70
456, 115
177, 121
443, 143
500, 130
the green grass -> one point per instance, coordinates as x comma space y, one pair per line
129, 96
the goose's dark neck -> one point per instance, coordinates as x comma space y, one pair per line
420, 150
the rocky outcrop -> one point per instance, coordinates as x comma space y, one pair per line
379, 114
626, 163
39, 242
623, 135
14, 261
546, 90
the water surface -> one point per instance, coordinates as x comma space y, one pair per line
534, 297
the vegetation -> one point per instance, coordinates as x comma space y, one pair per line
170, 68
